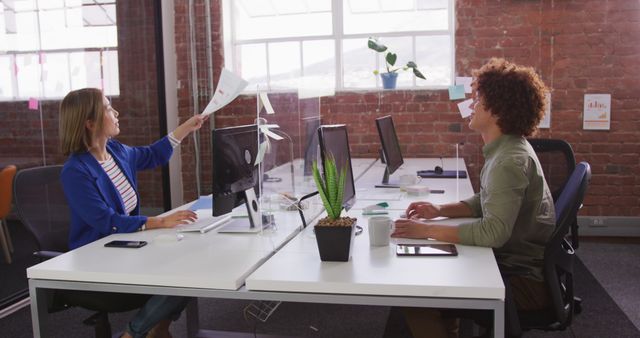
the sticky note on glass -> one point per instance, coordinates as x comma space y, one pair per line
465, 108
464, 81
264, 102
33, 104
456, 92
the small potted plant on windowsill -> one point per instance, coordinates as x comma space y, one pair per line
390, 77
334, 234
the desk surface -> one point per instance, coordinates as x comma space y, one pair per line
210, 260
473, 274
297, 267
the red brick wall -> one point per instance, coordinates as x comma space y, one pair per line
577, 46
20, 134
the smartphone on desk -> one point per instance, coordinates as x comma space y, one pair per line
126, 244
426, 250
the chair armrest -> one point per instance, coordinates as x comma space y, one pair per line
47, 254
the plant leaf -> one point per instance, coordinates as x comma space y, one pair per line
322, 190
391, 58
332, 181
412, 64
343, 178
417, 73
378, 47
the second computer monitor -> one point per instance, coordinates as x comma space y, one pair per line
234, 152
334, 140
391, 153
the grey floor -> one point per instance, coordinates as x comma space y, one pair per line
616, 265
613, 263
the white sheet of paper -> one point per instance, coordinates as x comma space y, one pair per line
465, 108
465, 81
229, 87
264, 99
546, 120
269, 133
597, 112
262, 149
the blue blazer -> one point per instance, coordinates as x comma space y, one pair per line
96, 207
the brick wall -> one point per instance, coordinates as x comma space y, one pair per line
20, 133
577, 46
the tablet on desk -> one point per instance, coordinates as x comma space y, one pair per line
426, 250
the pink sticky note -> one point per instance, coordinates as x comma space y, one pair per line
42, 58
33, 104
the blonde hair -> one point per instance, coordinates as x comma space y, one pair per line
78, 107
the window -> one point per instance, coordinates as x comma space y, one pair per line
49, 47
276, 43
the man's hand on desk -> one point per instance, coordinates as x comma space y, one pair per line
410, 228
422, 210
420, 229
171, 220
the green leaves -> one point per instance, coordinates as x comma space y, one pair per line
375, 45
414, 67
331, 189
391, 59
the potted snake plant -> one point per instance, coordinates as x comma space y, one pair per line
334, 234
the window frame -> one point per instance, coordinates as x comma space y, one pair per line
230, 43
13, 54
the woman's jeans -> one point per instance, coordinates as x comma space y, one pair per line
156, 309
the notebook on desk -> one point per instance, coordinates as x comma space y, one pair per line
205, 224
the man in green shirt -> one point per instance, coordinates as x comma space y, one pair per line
514, 205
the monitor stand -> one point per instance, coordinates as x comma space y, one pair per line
252, 223
385, 181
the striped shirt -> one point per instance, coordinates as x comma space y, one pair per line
127, 193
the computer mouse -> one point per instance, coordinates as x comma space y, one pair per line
438, 170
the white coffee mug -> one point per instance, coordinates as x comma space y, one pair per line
407, 180
379, 230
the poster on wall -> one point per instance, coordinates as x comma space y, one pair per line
546, 120
597, 112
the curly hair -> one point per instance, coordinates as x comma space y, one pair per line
514, 94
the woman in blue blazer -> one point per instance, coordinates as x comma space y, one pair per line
99, 182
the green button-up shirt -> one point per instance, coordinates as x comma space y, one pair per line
515, 206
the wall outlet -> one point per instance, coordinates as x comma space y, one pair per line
597, 222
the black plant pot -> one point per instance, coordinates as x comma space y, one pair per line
335, 242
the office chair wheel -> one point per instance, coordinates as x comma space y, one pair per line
577, 305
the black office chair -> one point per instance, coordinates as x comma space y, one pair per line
558, 265
43, 210
558, 162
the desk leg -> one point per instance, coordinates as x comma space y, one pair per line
193, 318
39, 313
498, 320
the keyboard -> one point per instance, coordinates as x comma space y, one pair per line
205, 224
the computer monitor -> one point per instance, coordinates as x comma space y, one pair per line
234, 152
311, 144
334, 140
391, 154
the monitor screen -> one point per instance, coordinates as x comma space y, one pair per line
334, 140
234, 151
391, 153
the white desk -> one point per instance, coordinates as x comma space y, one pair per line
216, 266
376, 276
